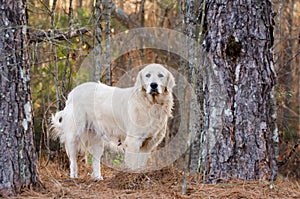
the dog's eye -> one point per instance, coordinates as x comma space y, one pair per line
160, 75
148, 75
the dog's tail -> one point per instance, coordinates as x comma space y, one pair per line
56, 127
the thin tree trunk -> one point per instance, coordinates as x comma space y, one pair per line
107, 9
97, 39
287, 77
240, 135
196, 79
142, 13
18, 160
53, 46
67, 65
190, 29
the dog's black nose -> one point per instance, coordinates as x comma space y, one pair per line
153, 85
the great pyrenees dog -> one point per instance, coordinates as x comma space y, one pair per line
134, 118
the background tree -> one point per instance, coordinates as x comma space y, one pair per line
198, 62
241, 135
287, 51
18, 160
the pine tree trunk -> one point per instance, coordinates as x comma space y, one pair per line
18, 161
241, 137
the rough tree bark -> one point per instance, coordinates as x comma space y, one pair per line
18, 161
241, 137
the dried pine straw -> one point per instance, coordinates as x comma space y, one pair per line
165, 183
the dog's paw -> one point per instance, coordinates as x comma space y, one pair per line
98, 178
73, 175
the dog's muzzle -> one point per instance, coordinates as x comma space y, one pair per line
154, 88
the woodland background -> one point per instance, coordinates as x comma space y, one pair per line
65, 35
62, 33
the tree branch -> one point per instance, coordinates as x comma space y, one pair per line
124, 18
58, 35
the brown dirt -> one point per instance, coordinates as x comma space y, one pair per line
165, 183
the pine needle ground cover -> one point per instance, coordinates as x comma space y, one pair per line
165, 183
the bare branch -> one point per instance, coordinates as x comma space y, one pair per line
57, 35
124, 18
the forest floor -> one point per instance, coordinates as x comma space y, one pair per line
165, 183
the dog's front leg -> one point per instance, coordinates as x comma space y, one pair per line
150, 143
134, 159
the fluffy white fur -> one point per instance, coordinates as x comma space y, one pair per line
135, 117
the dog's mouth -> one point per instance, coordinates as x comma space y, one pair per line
153, 89
154, 92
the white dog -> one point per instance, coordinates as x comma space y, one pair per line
135, 117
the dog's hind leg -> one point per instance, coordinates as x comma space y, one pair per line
97, 147
71, 149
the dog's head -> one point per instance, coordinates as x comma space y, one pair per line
155, 79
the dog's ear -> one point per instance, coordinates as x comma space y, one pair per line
170, 82
139, 81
